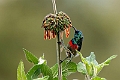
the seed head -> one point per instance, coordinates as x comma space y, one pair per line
54, 23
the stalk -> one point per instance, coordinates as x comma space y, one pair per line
59, 57
87, 77
58, 45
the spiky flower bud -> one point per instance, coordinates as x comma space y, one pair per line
54, 23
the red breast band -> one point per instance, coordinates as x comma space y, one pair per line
73, 46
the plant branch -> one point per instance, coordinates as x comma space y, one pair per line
58, 44
87, 77
59, 57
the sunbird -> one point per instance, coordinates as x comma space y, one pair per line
74, 45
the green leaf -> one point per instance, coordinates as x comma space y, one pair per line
105, 63
88, 62
63, 78
37, 69
95, 70
82, 58
44, 78
46, 71
98, 78
56, 78
33, 72
81, 68
109, 59
89, 69
20, 72
30, 57
91, 65
67, 68
54, 70
91, 59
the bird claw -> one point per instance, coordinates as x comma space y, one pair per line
61, 61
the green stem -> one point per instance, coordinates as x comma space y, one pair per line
59, 57
58, 45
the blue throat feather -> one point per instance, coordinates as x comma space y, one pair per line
76, 41
78, 38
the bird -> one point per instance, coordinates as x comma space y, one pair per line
74, 45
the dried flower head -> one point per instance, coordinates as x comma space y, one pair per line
54, 23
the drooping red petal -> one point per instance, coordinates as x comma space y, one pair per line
48, 34
67, 32
45, 34
54, 34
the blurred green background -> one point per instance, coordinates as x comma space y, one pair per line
20, 27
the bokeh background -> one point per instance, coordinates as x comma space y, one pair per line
20, 27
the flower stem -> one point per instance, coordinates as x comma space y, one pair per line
54, 7
59, 57
58, 45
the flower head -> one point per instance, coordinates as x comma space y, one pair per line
54, 23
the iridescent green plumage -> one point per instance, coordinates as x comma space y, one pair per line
78, 38
74, 44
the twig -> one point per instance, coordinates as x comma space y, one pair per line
87, 77
58, 45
